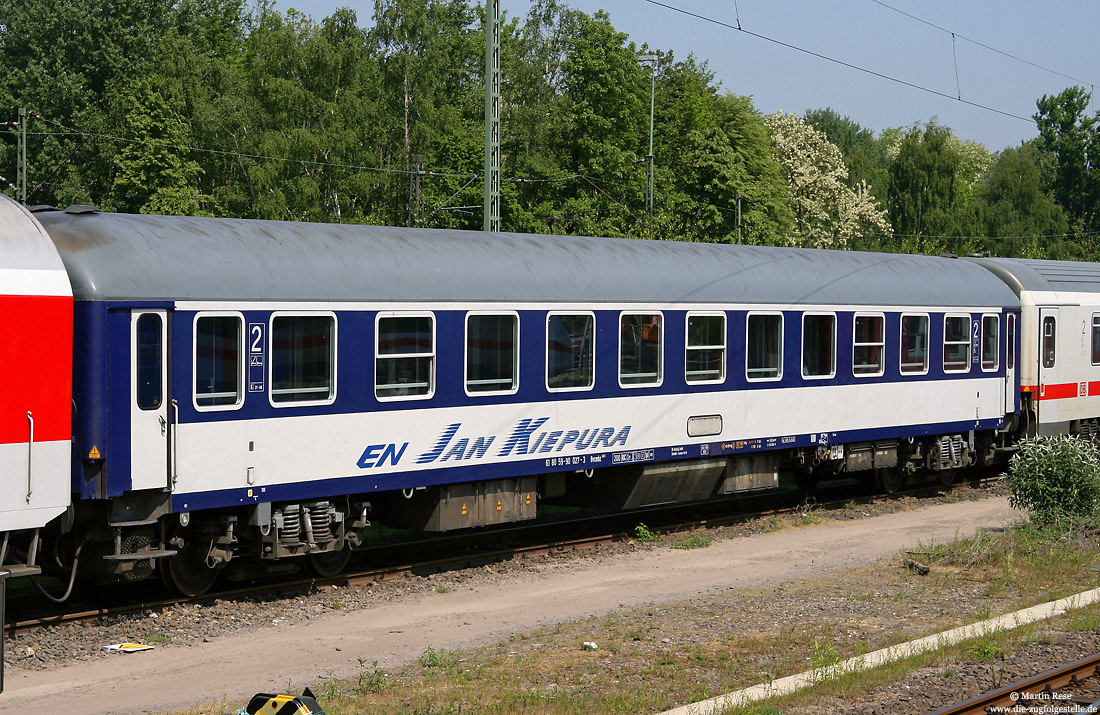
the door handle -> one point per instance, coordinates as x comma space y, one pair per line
163, 426
30, 455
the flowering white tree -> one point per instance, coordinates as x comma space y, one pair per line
827, 211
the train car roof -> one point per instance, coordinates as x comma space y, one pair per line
24, 247
142, 257
1042, 275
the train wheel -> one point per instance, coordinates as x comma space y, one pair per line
946, 477
186, 573
890, 479
328, 563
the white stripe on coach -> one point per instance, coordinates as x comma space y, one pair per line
34, 281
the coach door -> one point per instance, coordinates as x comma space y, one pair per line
149, 425
1010, 392
1048, 365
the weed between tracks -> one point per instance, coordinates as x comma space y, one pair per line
653, 659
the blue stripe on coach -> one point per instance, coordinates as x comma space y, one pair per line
355, 362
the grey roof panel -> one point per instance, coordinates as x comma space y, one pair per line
1044, 275
132, 257
23, 244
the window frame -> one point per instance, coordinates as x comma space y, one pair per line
688, 347
242, 362
748, 333
378, 318
546, 372
660, 351
802, 340
1052, 320
1094, 335
981, 344
881, 345
141, 368
969, 342
902, 348
466, 352
271, 352
1010, 342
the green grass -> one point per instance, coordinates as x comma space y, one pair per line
646, 535
695, 540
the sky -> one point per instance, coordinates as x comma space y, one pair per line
1054, 45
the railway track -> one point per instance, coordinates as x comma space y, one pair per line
452, 553
1072, 688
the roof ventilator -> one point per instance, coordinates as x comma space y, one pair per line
81, 209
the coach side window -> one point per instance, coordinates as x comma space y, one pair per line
303, 359
1096, 338
1049, 334
640, 348
868, 344
705, 360
492, 357
404, 356
991, 344
956, 343
818, 345
219, 361
763, 346
914, 344
569, 351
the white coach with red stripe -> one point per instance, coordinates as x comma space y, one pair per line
1059, 342
36, 361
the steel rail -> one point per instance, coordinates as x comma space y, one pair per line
1043, 685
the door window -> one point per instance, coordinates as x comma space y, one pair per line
150, 390
1049, 333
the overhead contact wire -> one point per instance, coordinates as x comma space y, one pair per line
980, 44
955, 57
842, 63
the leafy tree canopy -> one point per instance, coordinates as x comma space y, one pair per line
232, 108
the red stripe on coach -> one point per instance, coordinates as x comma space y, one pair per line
1060, 391
36, 367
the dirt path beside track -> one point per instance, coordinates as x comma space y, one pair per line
488, 608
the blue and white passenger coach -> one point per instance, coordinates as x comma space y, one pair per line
262, 388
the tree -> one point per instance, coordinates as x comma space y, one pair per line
153, 171
65, 59
431, 63
718, 161
827, 212
865, 157
924, 188
766, 215
1072, 142
533, 54
1016, 210
601, 130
